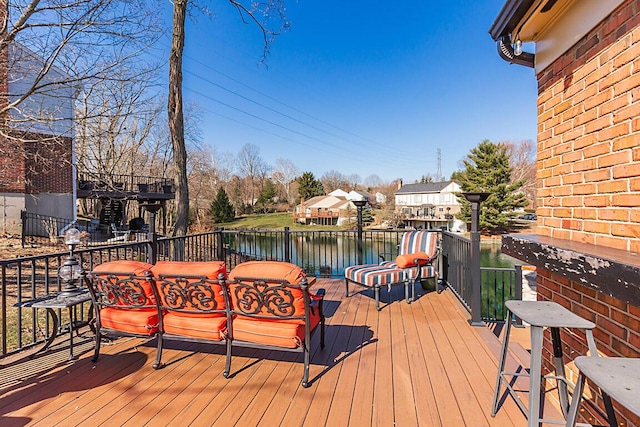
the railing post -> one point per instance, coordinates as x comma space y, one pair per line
23, 220
220, 255
518, 289
476, 283
152, 237
359, 205
287, 245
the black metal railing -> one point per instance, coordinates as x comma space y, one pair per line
97, 182
497, 285
322, 253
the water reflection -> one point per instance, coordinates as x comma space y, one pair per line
329, 253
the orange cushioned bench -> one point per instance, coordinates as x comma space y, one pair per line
262, 304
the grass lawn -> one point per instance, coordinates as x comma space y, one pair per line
274, 221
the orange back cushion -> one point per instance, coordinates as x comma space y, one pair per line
268, 269
180, 286
125, 268
267, 296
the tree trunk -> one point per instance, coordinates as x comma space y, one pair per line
176, 119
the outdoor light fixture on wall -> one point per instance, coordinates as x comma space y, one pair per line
71, 270
517, 50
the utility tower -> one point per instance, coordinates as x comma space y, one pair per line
439, 171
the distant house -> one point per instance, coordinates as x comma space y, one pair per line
428, 205
36, 167
332, 209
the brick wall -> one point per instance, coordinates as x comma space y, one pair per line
48, 165
588, 173
589, 137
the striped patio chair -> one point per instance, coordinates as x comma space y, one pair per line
416, 260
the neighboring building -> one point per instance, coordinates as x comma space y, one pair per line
36, 165
327, 210
429, 205
587, 238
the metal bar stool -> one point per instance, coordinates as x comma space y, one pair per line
618, 379
540, 314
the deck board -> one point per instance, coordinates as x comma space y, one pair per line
418, 364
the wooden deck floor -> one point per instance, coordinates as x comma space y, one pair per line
407, 365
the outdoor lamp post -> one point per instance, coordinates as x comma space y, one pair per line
359, 205
152, 237
476, 298
71, 270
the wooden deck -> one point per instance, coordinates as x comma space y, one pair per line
407, 365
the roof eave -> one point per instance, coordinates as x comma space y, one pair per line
509, 16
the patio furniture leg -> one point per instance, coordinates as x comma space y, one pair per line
503, 357
560, 372
346, 288
158, 363
406, 291
227, 366
535, 378
305, 375
572, 415
376, 292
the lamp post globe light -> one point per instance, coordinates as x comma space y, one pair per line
70, 271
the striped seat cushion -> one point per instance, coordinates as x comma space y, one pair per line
427, 270
375, 275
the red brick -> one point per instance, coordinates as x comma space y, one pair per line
584, 213
612, 214
615, 158
597, 201
584, 189
628, 141
597, 175
614, 131
612, 242
598, 227
613, 186
626, 171
625, 230
626, 200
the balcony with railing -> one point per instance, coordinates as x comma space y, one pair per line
90, 185
410, 364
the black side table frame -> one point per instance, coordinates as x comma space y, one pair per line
58, 300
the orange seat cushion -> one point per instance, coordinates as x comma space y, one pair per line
139, 321
195, 326
268, 270
288, 334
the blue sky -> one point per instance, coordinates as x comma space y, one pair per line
360, 87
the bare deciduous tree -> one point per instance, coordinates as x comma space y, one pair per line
334, 180
522, 159
52, 50
285, 174
252, 167
266, 15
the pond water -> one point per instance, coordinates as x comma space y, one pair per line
491, 256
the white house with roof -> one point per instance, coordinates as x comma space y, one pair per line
332, 209
428, 205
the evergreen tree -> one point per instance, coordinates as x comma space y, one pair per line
367, 214
267, 195
309, 186
487, 170
221, 208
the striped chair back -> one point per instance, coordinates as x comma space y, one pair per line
418, 241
